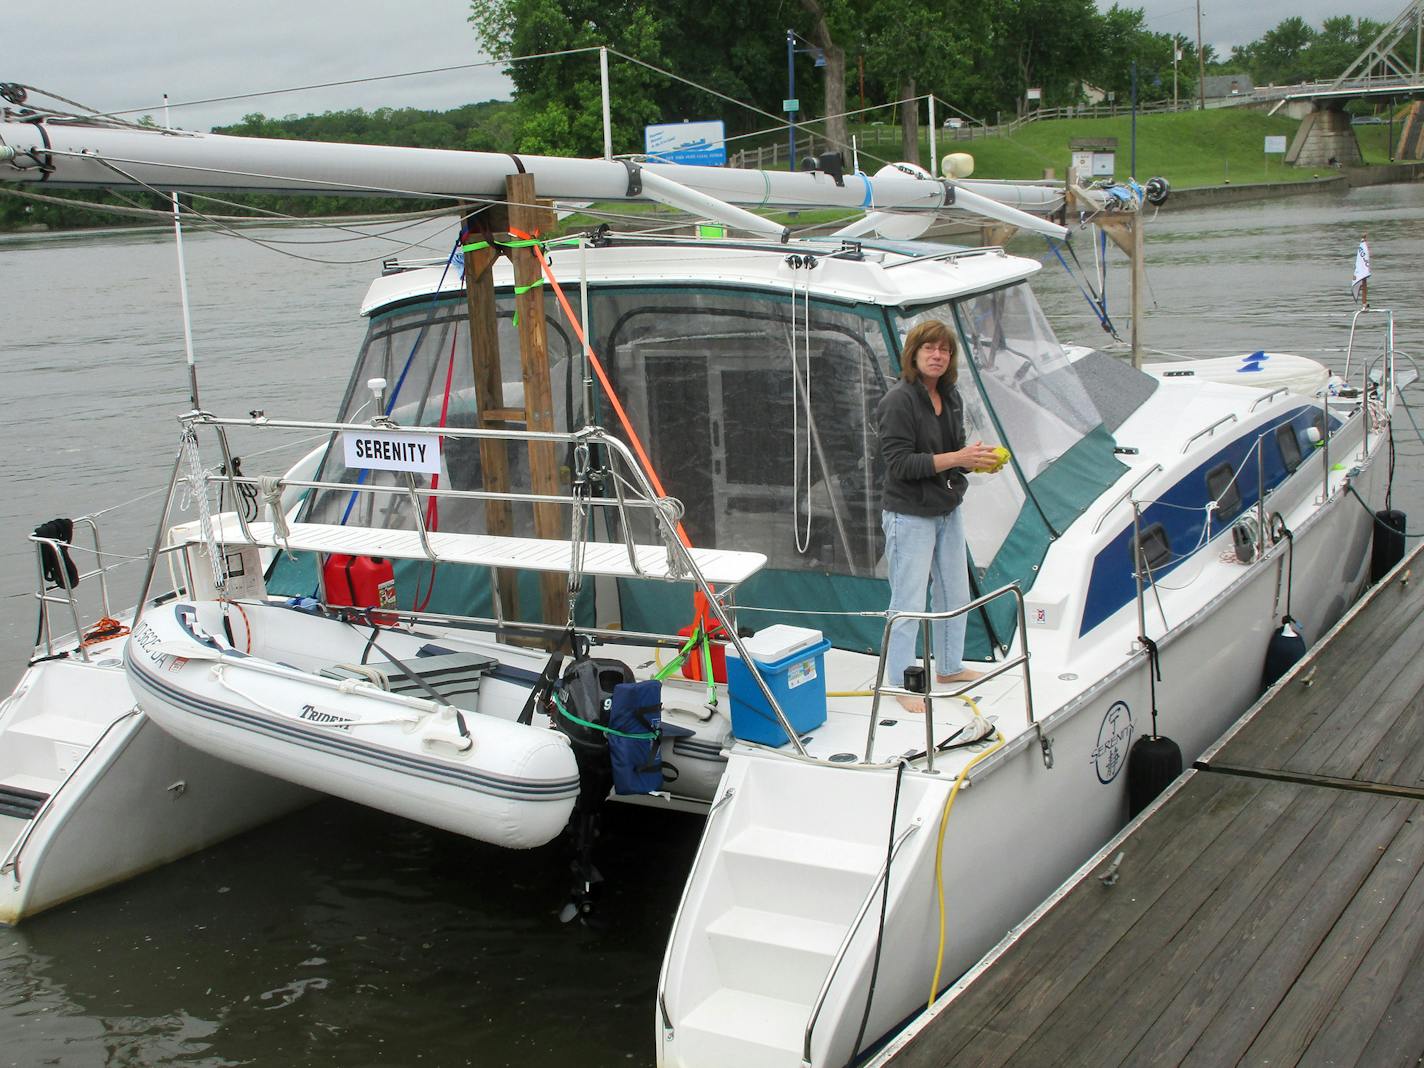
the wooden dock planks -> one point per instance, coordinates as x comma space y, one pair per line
1351, 713
1271, 911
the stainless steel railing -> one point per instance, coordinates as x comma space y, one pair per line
63, 593
930, 694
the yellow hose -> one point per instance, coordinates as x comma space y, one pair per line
939, 854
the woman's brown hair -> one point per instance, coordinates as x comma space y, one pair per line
923, 333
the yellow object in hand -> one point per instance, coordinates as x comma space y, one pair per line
1001, 457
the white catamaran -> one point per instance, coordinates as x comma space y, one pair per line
357, 630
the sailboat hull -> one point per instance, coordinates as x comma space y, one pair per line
786, 873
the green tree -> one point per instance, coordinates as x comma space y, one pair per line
1045, 44
1339, 43
736, 47
1123, 41
1278, 58
833, 94
915, 49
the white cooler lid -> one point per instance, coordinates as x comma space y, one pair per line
777, 642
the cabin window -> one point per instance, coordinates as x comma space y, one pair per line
1288, 441
1156, 548
1224, 488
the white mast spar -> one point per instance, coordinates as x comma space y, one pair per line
68, 154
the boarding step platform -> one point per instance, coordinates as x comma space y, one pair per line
724, 567
774, 941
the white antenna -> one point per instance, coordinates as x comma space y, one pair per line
183, 285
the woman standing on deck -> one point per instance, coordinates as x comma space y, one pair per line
921, 423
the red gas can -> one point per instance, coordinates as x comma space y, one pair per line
361, 582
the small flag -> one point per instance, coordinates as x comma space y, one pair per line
1360, 286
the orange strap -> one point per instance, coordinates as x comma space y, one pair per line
618, 410
700, 610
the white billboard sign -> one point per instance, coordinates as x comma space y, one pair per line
702, 144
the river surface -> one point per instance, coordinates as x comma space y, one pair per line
340, 936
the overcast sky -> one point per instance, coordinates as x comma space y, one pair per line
116, 56
1235, 22
112, 55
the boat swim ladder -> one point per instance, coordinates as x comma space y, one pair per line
930, 694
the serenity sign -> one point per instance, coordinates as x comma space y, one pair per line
391, 451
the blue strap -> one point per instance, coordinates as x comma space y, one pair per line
405, 370
1099, 306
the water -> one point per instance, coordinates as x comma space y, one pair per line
345, 937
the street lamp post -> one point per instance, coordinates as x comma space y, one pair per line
791, 102
790, 96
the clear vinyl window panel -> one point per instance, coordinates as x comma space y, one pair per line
1026, 376
758, 412
423, 353
1020, 390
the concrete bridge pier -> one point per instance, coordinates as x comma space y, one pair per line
1325, 135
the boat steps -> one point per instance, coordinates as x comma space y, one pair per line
33, 761
19, 801
774, 954
57, 727
737, 1027
769, 869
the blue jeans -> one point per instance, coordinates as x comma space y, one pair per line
926, 552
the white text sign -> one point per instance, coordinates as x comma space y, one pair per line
386, 450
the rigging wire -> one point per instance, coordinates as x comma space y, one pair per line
233, 232
323, 85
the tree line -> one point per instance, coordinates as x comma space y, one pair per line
981, 58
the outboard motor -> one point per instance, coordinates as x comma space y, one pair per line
579, 707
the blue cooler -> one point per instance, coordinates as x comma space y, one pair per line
791, 661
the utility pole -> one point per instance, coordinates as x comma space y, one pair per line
1176, 57
1201, 64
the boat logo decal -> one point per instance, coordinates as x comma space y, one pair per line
312, 714
1114, 739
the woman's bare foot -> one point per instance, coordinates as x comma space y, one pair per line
965, 675
912, 704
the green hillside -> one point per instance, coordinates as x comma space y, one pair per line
1188, 148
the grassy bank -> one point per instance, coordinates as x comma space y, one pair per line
1188, 148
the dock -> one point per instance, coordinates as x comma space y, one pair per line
1267, 909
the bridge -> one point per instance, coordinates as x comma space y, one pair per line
1387, 68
